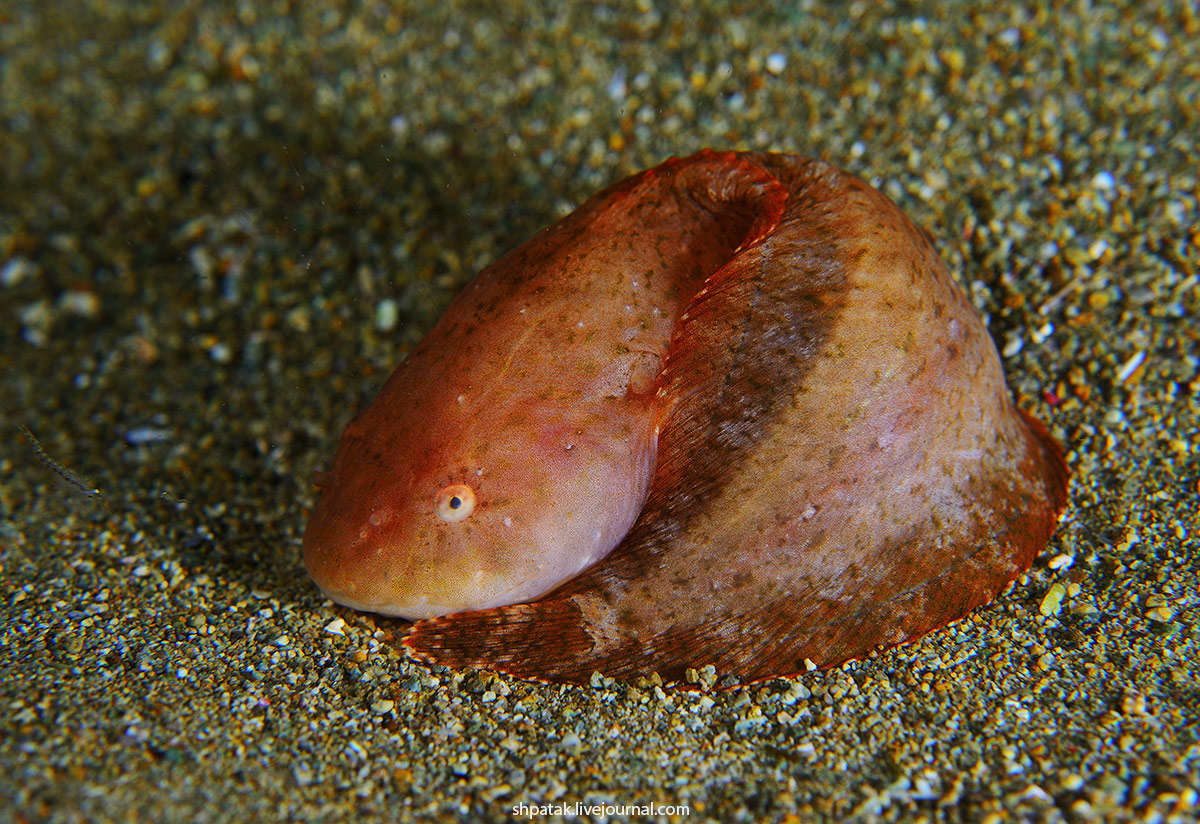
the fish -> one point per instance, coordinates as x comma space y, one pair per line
734, 411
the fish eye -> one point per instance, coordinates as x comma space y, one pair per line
454, 502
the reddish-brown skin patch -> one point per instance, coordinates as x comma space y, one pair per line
840, 467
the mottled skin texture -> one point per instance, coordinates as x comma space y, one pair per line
839, 465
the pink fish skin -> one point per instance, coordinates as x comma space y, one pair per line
535, 396
782, 412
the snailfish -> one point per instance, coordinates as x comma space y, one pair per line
733, 410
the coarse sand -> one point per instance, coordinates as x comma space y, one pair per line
222, 224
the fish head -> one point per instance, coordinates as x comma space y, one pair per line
487, 507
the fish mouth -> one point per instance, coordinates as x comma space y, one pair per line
422, 608
412, 612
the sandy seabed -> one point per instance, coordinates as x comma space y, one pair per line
221, 225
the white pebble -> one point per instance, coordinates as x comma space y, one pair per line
80, 302
1131, 366
15, 271
146, 434
386, 315
1010, 37
616, 87
1013, 344
220, 353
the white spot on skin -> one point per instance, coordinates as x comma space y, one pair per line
374, 519
508, 521
809, 513
461, 398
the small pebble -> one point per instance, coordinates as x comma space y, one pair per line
387, 313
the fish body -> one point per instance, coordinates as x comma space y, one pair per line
535, 398
791, 441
